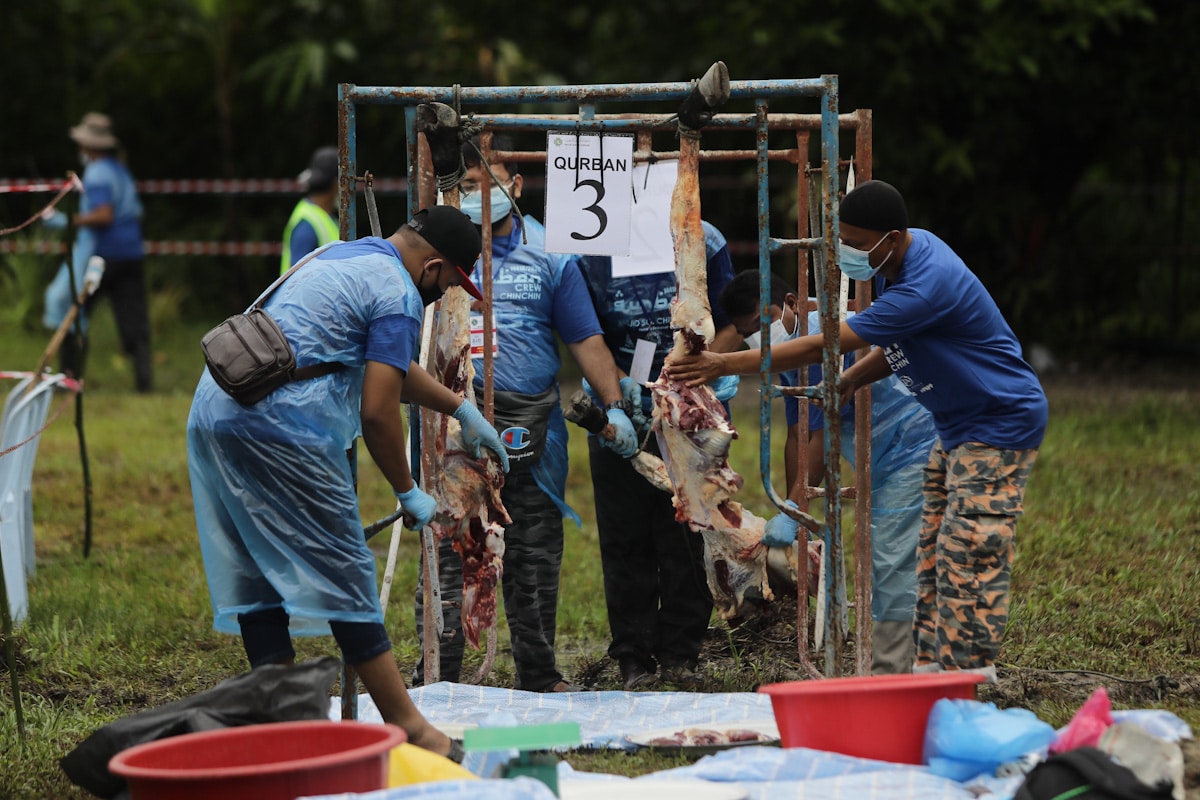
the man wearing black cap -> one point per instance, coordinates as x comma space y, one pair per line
275, 499
936, 327
312, 223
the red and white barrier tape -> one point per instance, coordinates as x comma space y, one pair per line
162, 248
70, 384
203, 186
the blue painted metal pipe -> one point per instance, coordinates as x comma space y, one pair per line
624, 92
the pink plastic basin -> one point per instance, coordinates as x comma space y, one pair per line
878, 716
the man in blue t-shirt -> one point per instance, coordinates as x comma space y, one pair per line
111, 211
275, 498
935, 327
655, 584
537, 298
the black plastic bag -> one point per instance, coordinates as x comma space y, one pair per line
266, 694
1086, 773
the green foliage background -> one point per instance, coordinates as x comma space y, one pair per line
1049, 141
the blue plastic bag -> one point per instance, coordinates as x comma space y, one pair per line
965, 738
58, 299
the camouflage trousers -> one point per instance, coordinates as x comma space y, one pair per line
973, 497
533, 550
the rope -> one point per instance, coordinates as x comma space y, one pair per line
74, 386
451, 179
72, 182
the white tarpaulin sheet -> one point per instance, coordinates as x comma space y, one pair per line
606, 719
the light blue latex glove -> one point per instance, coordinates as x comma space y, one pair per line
624, 441
477, 432
418, 507
781, 529
53, 219
725, 387
631, 391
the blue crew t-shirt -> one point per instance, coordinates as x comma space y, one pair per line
947, 342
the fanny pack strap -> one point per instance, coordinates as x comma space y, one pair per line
312, 370
316, 370
263, 297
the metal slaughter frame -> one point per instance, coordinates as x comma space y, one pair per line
824, 248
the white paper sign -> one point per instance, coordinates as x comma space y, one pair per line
643, 359
477, 337
650, 249
588, 193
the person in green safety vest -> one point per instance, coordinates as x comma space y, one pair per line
312, 223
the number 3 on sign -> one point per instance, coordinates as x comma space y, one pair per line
589, 197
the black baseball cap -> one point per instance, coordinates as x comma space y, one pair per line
452, 234
322, 170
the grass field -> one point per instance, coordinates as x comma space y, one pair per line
1104, 586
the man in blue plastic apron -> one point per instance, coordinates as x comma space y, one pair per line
275, 498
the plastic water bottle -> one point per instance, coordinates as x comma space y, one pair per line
93, 274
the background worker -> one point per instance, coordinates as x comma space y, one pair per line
655, 588
275, 500
537, 298
112, 212
739, 301
312, 223
902, 435
936, 327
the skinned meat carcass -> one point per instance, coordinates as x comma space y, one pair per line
694, 437
693, 429
467, 489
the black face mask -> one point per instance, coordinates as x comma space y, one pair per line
433, 293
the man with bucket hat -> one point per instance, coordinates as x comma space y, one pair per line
275, 499
111, 212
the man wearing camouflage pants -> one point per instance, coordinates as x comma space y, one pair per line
936, 328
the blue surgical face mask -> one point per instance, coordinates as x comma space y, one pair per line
471, 204
856, 264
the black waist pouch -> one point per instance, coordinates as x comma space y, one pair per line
522, 420
248, 356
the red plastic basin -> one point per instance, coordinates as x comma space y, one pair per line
878, 716
275, 761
